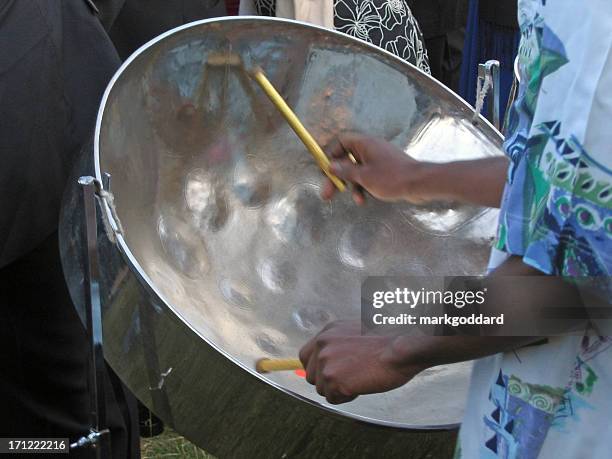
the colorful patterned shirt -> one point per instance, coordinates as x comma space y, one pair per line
554, 400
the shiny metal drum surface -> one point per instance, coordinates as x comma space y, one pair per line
225, 232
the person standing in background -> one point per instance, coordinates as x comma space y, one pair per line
132, 23
388, 24
232, 7
443, 25
55, 61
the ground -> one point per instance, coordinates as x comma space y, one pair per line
170, 445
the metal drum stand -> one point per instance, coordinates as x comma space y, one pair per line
488, 80
98, 437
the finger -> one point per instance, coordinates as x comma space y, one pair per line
359, 195
311, 360
328, 191
345, 142
346, 170
306, 353
323, 381
311, 371
319, 381
336, 398
335, 395
338, 149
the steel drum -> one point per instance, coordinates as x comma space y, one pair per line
228, 253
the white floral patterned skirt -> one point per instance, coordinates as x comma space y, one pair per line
388, 24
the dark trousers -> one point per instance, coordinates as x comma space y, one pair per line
44, 358
55, 61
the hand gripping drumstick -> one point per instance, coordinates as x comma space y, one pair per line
307, 139
268, 365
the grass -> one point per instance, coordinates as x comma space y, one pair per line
169, 445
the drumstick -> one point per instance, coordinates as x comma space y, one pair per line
307, 139
294, 122
266, 365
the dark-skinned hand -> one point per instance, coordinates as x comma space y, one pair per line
344, 364
382, 169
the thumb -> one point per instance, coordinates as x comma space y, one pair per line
346, 170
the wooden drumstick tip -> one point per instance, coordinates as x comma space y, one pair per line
260, 365
220, 59
265, 365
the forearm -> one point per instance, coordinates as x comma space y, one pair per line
480, 182
408, 352
518, 291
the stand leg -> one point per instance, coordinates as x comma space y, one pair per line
99, 436
490, 70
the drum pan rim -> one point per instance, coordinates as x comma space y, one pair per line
147, 282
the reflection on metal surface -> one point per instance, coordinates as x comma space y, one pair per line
365, 243
441, 219
235, 293
278, 276
299, 217
206, 200
270, 342
183, 246
251, 183
312, 319
232, 254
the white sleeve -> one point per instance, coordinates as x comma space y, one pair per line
247, 8
319, 12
